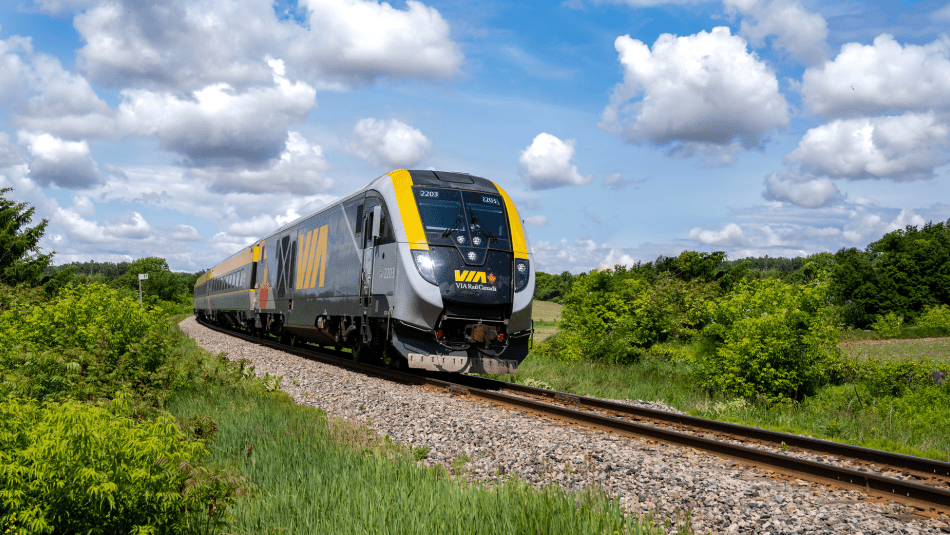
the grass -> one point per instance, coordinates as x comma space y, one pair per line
308, 473
897, 349
313, 474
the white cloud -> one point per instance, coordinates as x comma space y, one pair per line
391, 144
68, 164
880, 78
705, 88
805, 190
300, 169
44, 97
546, 163
731, 235
905, 147
616, 257
218, 125
357, 41
537, 220
585, 254
155, 45
799, 32
865, 226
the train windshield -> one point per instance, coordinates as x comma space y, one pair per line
468, 215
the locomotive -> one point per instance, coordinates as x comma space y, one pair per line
418, 269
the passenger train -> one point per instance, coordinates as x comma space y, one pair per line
419, 269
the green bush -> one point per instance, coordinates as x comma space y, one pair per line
888, 325
770, 339
614, 317
935, 318
87, 343
890, 378
71, 467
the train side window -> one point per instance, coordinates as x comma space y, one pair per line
386, 234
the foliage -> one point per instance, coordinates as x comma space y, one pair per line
615, 315
76, 468
20, 258
935, 318
549, 287
768, 338
888, 325
904, 272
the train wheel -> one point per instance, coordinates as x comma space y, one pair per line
392, 359
361, 353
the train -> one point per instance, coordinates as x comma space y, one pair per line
418, 269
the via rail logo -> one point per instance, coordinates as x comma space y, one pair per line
475, 280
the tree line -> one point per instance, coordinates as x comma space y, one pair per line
903, 273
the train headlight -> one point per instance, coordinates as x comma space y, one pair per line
425, 264
522, 274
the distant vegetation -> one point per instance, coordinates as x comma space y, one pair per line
763, 336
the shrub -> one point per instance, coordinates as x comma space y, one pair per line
613, 317
769, 339
888, 325
71, 467
935, 318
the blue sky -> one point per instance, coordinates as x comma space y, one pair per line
623, 130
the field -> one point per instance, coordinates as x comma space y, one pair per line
545, 315
915, 349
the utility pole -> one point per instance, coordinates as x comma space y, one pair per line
142, 277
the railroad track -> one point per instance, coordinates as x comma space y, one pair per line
925, 486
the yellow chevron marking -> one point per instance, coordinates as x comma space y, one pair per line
302, 264
319, 254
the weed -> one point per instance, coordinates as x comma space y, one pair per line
420, 452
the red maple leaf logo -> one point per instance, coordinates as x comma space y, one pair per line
491, 278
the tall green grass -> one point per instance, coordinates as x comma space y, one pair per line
311, 474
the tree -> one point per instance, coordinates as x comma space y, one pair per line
161, 282
20, 259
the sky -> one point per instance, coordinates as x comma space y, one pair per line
622, 129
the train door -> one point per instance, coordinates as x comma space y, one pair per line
372, 212
286, 264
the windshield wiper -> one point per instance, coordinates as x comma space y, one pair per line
491, 237
446, 232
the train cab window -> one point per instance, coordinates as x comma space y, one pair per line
485, 213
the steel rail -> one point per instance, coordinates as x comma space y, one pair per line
925, 497
897, 461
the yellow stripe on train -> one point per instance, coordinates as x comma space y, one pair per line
313, 258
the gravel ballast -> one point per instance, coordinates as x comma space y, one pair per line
722, 496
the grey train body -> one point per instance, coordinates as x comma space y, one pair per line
424, 269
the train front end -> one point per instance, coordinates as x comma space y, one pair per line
470, 271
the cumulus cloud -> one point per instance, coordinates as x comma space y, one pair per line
68, 164
585, 254
904, 147
866, 226
44, 97
731, 235
357, 41
343, 43
218, 125
880, 78
705, 88
390, 144
537, 220
546, 163
805, 190
800, 33
300, 169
